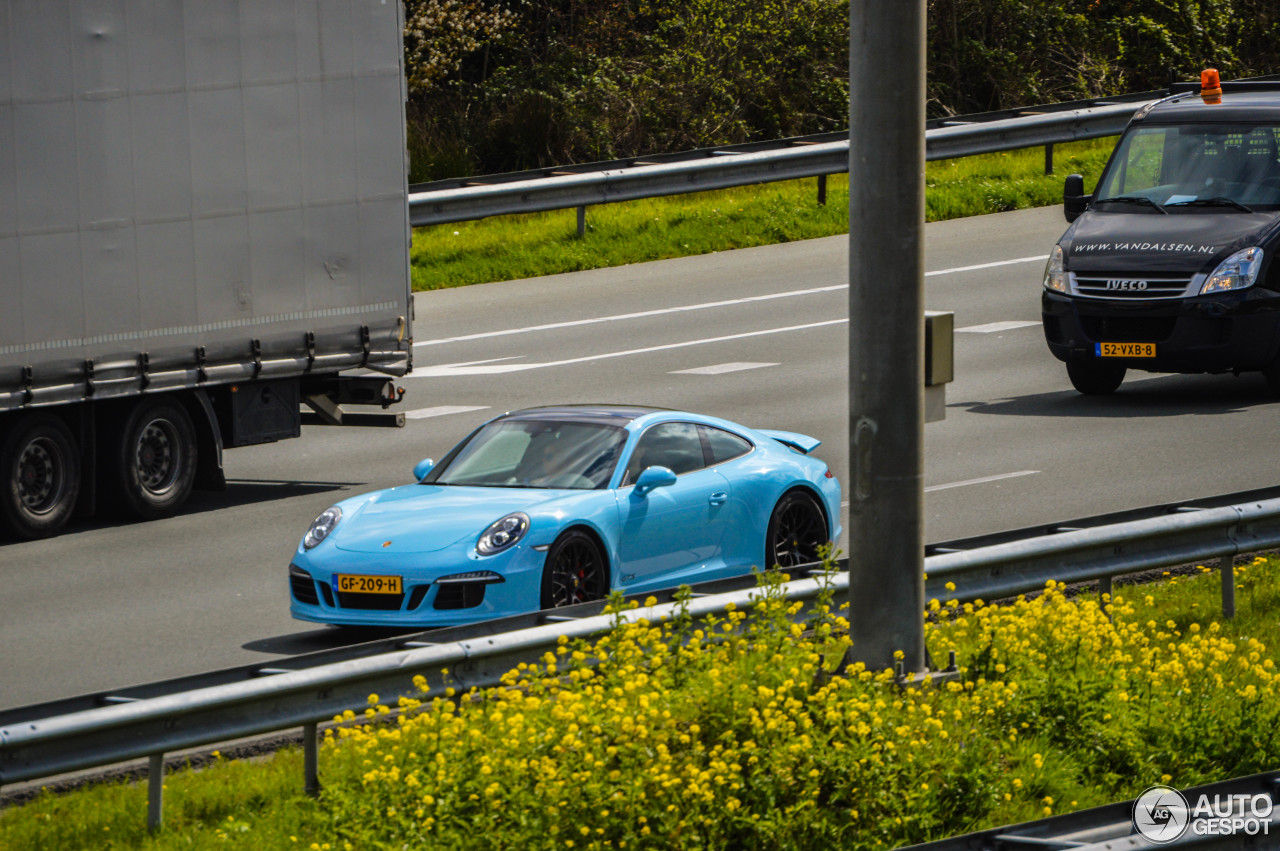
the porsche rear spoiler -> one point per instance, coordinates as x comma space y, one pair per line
800, 442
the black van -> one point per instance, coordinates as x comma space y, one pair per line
1169, 265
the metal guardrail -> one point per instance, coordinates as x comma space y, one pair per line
728, 167
35, 745
1109, 828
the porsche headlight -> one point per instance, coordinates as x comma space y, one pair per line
1238, 271
1055, 276
503, 534
322, 526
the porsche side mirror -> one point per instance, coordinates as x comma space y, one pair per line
654, 477
1074, 201
421, 469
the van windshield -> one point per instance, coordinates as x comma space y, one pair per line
1227, 167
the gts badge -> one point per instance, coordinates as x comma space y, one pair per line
1126, 285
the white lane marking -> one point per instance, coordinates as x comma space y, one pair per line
981, 481
1041, 257
704, 306
625, 316
995, 327
442, 411
452, 369
721, 368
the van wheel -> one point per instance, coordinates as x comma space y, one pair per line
1271, 372
152, 459
41, 468
1095, 379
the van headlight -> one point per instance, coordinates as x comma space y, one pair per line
1238, 271
1055, 276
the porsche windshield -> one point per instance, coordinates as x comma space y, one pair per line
1169, 169
533, 454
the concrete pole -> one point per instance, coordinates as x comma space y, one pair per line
886, 314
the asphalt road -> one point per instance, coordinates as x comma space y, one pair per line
757, 335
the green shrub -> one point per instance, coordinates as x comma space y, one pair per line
518, 85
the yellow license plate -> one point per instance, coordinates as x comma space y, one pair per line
1126, 350
350, 583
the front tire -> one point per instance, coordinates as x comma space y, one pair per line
1095, 379
41, 469
1271, 372
797, 529
576, 571
152, 459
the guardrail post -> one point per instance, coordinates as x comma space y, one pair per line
1105, 593
311, 759
582, 221
1048, 158
155, 791
1227, 567
822, 190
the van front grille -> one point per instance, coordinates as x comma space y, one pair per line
1130, 287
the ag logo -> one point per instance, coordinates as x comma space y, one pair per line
1161, 814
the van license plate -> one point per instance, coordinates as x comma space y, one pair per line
1126, 350
349, 583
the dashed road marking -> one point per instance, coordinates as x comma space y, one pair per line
442, 411
721, 368
981, 481
996, 327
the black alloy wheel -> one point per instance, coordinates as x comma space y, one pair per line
1095, 379
41, 468
576, 571
796, 531
152, 457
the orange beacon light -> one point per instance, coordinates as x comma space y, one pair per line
1210, 86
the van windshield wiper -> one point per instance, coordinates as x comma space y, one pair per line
1216, 201
1132, 199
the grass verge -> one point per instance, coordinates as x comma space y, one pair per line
733, 734
509, 247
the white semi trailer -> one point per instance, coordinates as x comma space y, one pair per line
203, 232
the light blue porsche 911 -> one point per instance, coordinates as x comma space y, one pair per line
548, 507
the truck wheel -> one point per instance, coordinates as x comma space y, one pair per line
41, 477
152, 459
1095, 379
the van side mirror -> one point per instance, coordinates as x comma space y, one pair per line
1074, 201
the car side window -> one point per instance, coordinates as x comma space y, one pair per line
673, 445
724, 446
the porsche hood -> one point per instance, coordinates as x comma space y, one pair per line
427, 518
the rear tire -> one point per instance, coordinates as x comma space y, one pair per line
151, 459
576, 571
41, 477
1095, 379
797, 528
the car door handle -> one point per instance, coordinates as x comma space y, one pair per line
718, 498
